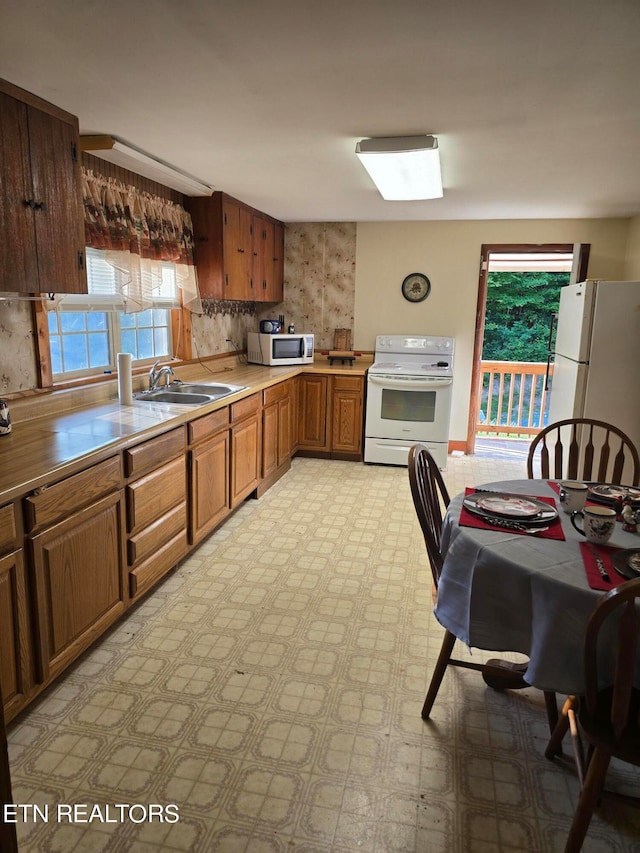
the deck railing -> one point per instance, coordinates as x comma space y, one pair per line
513, 398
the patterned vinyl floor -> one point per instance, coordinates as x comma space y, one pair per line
269, 691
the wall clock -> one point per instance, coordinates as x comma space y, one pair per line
416, 287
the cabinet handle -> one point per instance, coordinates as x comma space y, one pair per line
39, 205
29, 202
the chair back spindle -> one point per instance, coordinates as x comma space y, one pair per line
595, 451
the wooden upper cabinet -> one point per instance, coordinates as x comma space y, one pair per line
278, 262
234, 248
41, 217
237, 249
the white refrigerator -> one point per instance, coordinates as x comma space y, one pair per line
596, 371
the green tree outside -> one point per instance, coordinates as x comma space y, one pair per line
519, 308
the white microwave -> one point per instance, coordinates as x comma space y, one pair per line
277, 350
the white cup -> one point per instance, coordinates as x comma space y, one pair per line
598, 523
573, 495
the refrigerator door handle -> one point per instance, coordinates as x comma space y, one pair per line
550, 353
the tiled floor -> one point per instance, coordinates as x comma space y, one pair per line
271, 689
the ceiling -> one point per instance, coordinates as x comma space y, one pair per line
536, 105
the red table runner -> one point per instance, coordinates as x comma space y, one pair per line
605, 552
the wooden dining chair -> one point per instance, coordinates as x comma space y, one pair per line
584, 449
431, 499
607, 716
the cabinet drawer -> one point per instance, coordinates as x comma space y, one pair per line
70, 495
208, 425
8, 530
147, 542
154, 452
155, 494
244, 408
275, 393
148, 573
347, 383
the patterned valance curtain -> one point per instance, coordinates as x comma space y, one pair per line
138, 233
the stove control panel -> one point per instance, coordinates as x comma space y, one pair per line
414, 344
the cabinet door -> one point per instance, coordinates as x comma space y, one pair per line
56, 188
270, 435
8, 836
237, 248
258, 277
295, 413
285, 442
209, 486
245, 459
18, 262
79, 568
313, 412
347, 408
277, 288
268, 288
42, 247
15, 644
208, 231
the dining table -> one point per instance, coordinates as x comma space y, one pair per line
503, 590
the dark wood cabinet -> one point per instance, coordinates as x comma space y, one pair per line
277, 285
42, 247
235, 250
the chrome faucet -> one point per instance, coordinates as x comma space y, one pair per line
155, 375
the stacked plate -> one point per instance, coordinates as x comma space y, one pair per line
607, 494
507, 510
627, 563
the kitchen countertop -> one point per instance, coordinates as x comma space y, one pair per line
57, 434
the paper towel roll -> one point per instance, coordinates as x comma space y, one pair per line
125, 379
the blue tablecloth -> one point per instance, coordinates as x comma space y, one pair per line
502, 591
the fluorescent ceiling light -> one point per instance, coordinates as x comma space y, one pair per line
404, 168
129, 157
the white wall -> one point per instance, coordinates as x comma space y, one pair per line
449, 254
632, 258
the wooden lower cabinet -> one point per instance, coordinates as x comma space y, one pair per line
331, 416
16, 653
209, 484
347, 415
277, 434
312, 428
79, 573
245, 447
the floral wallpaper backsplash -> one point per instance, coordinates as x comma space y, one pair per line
17, 349
319, 297
320, 272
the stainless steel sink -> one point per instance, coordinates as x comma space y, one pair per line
188, 394
215, 390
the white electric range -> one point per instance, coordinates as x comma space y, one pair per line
409, 389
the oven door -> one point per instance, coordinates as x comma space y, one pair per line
413, 408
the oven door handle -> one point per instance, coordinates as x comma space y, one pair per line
409, 384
